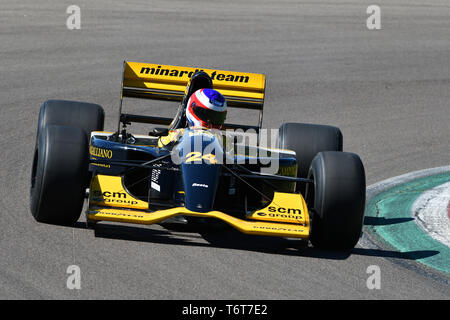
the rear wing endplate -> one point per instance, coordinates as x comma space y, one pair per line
165, 82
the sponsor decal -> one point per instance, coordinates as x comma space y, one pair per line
111, 197
118, 214
181, 73
277, 215
155, 186
100, 152
101, 165
278, 229
155, 177
282, 212
200, 185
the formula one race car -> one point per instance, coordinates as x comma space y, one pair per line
316, 192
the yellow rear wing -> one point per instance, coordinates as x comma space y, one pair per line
165, 82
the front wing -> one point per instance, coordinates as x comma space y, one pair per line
286, 216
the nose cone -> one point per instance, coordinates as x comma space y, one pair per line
199, 152
200, 184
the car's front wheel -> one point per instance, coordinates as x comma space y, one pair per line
59, 172
336, 200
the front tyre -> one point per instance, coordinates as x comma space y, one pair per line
60, 169
337, 200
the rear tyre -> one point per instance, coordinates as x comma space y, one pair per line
337, 200
60, 168
307, 140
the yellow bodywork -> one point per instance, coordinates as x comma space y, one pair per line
109, 191
285, 207
286, 216
156, 81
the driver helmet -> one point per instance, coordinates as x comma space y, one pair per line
206, 108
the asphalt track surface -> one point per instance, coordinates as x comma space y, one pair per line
388, 90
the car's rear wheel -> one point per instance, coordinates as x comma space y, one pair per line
307, 140
59, 171
336, 200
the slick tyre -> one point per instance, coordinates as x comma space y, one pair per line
59, 171
307, 140
86, 116
337, 200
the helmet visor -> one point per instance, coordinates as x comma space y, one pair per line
211, 116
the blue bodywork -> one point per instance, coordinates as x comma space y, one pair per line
195, 158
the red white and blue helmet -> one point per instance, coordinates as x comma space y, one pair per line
206, 108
